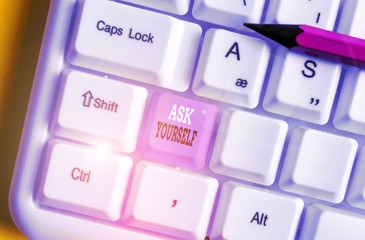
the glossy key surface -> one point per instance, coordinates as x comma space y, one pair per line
302, 86
171, 201
320, 14
155, 48
178, 130
230, 13
89, 181
350, 111
108, 112
318, 164
179, 7
248, 146
356, 194
246, 212
232, 68
352, 18
323, 222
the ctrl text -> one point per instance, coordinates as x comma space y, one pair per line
81, 175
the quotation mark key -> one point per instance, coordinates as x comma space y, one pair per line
314, 101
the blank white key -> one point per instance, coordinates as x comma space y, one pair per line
231, 68
249, 213
350, 112
320, 13
100, 111
135, 43
356, 195
230, 13
302, 86
248, 146
318, 164
85, 180
171, 201
323, 223
353, 18
174, 6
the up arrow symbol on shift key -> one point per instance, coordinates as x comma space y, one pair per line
87, 98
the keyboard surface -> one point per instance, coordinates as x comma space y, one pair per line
171, 120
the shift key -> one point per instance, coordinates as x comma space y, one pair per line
100, 111
135, 43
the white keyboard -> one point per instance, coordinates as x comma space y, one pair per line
171, 120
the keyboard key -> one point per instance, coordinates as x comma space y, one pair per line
248, 146
171, 201
178, 130
229, 13
323, 223
85, 180
302, 86
318, 164
320, 14
352, 19
108, 112
180, 7
350, 112
356, 196
231, 68
115, 38
246, 212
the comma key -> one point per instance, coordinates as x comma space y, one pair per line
171, 201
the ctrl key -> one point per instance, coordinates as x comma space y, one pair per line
246, 212
84, 180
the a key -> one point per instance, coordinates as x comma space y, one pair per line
302, 86
246, 212
248, 146
178, 130
353, 18
323, 223
231, 68
318, 164
350, 111
171, 201
320, 13
108, 112
356, 196
135, 43
85, 180
179, 7
230, 13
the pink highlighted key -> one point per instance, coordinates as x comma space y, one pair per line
178, 130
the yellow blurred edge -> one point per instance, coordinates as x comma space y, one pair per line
12, 15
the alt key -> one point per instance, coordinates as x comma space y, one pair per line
252, 213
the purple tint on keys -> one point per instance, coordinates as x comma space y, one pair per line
178, 130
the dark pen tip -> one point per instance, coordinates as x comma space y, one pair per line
252, 26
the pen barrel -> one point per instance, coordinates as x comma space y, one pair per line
332, 43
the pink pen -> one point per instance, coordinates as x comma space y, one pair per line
326, 44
